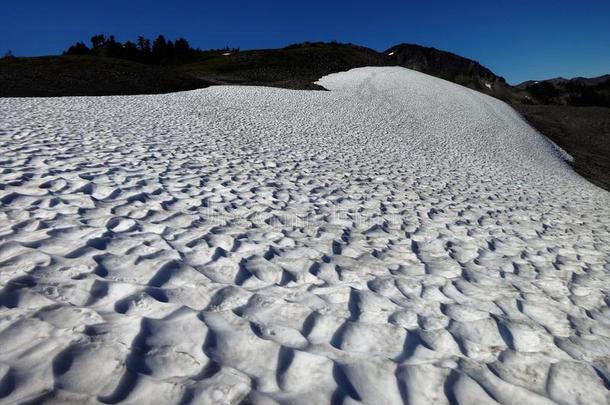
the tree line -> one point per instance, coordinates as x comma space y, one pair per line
160, 51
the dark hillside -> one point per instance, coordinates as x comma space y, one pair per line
446, 65
583, 132
87, 76
293, 67
455, 68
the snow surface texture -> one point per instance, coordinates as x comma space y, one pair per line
397, 239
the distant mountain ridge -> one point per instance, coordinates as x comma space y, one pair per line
579, 91
584, 81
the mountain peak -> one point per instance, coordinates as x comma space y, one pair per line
446, 65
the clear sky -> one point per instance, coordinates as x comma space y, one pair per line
520, 40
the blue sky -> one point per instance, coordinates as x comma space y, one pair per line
519, 40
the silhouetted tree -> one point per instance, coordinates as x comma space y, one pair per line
182, 46
171, 52
159, 49
182, 50
143, 44
113, 48
144, 49
130, 51
97, 41
78, 48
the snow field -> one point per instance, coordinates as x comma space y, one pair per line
396, 239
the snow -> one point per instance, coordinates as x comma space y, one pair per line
391, 53
398, 238
488, 85
564, 155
